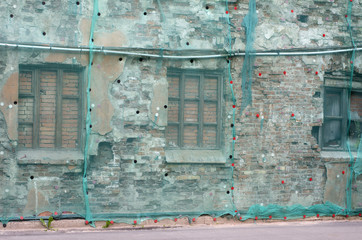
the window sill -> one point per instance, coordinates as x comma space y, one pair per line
49, 157
337, 154
195, 156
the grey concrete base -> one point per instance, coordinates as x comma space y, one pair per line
274, 231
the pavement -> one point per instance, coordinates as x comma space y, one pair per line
298, 230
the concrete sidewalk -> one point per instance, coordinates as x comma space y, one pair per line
79, 224
310, 230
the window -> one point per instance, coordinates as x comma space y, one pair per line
335, 127
49, 112
194, 110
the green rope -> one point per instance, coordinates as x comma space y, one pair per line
88, 118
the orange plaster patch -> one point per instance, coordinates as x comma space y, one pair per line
8, 95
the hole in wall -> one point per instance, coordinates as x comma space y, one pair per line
315, 133
103, 157
317, 95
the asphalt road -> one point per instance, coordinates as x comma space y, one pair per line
278, 231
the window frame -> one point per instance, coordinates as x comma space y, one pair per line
345, 105
181, 73
35, 94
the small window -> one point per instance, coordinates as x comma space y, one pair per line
50, 112
337, 129
194, 110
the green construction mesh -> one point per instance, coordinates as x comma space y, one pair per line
249, 23
351, 162
128, 110
357, 168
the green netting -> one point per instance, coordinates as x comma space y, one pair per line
293, 212
351, 162
249, 23
126, 111
88, 126
357, 167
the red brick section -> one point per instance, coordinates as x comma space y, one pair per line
210, 88
70, 83
25, 82
173, 86
70, 110
209, 136
172, 136
191, 111
210, 112
192, 87
47, 110
25, 136
69, 123
190, 136
173, 111
25, 110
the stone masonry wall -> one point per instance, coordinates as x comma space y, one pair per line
129, 170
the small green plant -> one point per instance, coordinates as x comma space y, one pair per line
108, 223
48, 225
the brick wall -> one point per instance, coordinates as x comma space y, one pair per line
25, 82
47, 109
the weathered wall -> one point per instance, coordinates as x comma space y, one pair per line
128, 169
